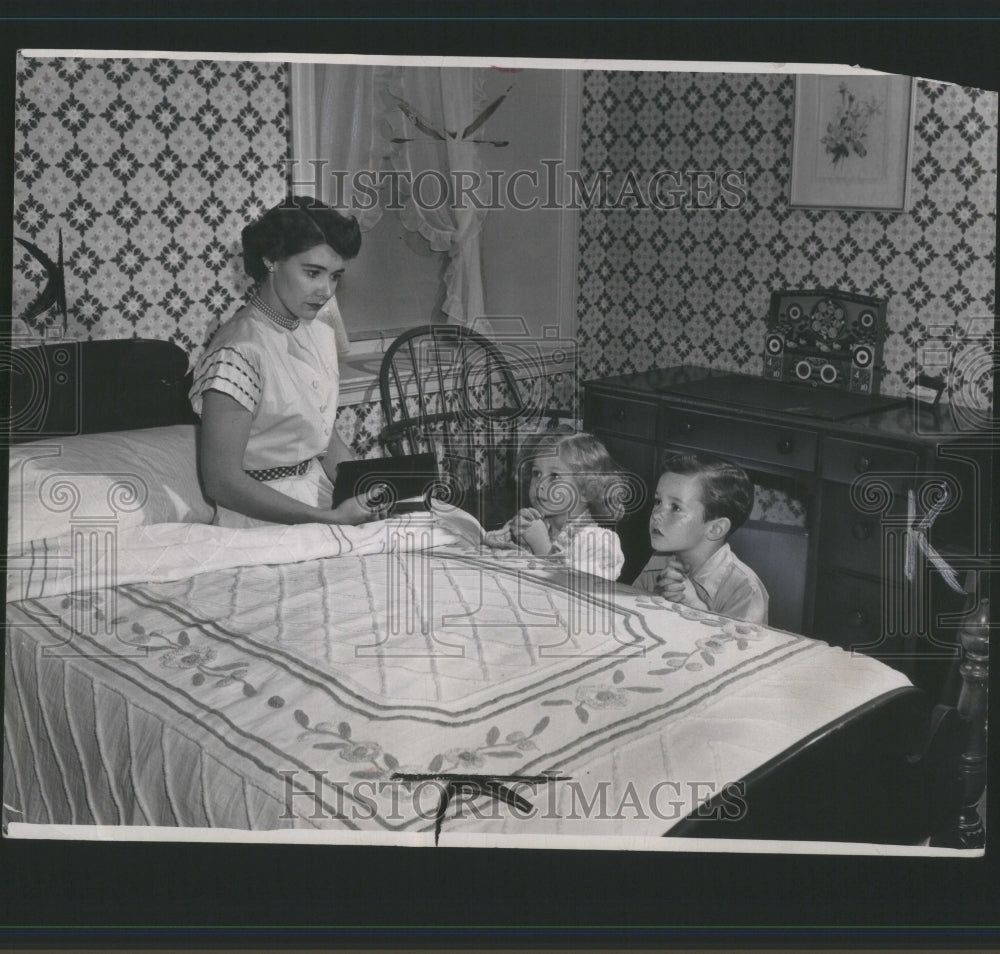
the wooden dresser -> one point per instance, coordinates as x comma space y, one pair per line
855, 475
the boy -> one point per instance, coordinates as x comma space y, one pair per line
700, 500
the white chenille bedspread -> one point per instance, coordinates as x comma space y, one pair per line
285, 678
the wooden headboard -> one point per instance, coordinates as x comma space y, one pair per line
87, 387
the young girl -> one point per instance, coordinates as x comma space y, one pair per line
572, 484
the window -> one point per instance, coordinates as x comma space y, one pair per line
528, 253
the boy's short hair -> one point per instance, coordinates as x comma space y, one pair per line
726, 490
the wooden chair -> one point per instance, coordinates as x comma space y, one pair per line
449, 390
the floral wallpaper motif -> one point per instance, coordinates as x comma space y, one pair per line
151, 168
692, 285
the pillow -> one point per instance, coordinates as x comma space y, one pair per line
122, 479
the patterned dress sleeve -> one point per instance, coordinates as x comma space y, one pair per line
232, 369
597, 551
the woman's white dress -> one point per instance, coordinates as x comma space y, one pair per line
289, 380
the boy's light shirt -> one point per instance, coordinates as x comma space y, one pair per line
724, 583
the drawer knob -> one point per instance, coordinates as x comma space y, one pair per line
685, 427
863, 464
861, 531
786, 446
619, 415
858, 618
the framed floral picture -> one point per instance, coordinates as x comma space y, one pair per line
851, 142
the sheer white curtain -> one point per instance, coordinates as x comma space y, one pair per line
445, 101
353, 123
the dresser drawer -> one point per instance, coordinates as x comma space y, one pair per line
625, 416
856, 540
849, 614
740, 440
844, 461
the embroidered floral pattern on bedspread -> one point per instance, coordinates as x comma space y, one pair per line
733, 633
300, 689
383, 766
181, 654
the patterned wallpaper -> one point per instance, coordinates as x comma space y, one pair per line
151, 168
693, 285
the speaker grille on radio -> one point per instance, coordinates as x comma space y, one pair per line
825, 338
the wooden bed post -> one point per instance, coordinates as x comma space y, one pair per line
966, 829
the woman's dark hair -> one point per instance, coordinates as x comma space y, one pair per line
299, 223
726, 490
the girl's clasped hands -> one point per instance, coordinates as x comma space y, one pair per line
530, 529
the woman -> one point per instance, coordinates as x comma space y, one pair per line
267, 386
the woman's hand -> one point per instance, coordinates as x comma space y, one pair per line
356, 510
336, 453
530, 530
224, 432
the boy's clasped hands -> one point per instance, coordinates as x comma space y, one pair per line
675, 585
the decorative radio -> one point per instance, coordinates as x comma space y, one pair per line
825, 338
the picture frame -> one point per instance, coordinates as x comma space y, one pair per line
851, 142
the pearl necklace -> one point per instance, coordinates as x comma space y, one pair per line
268, 312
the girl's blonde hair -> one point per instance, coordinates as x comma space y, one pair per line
600, 480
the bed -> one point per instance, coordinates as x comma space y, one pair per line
395, 682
